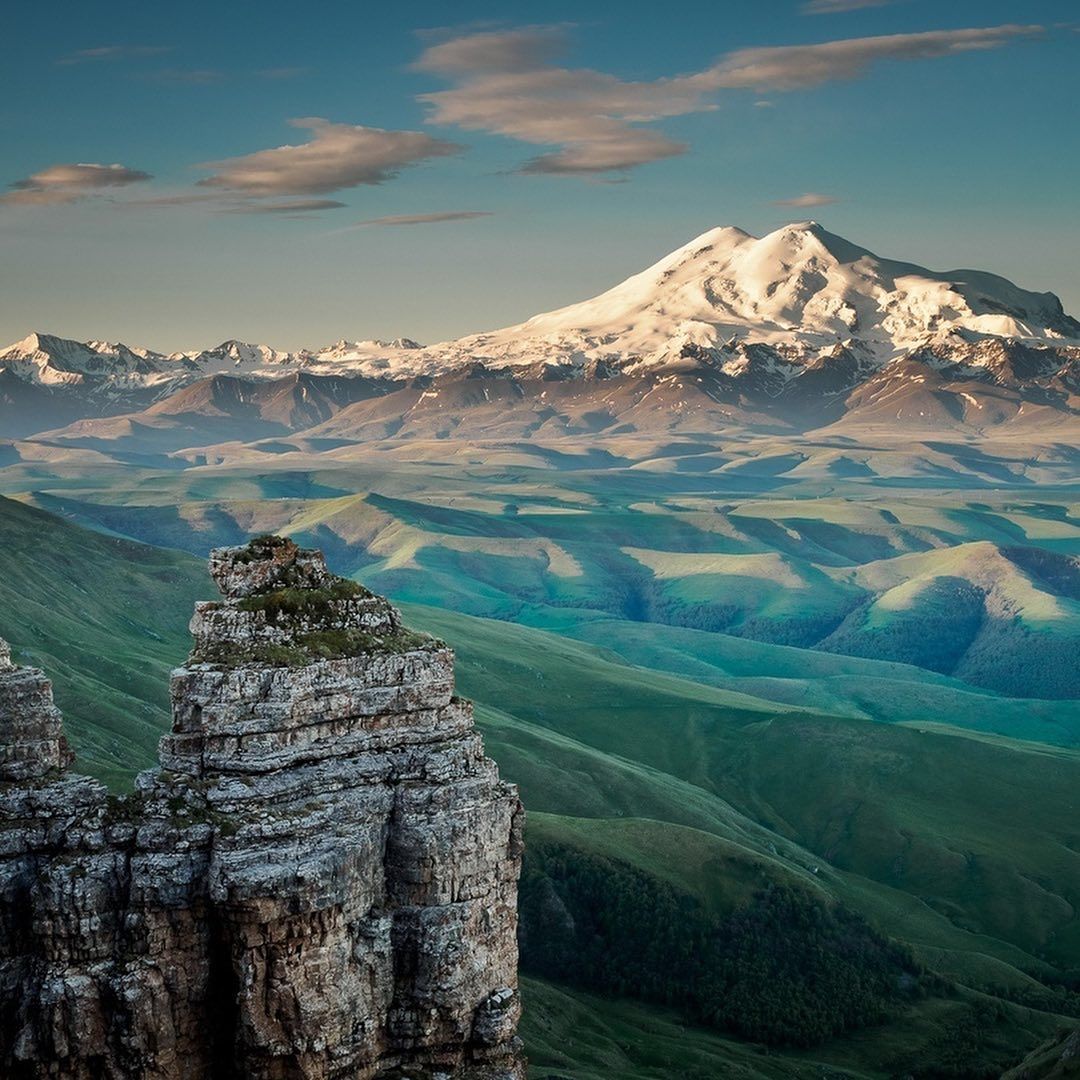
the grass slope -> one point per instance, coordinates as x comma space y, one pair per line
935, 837
571, 1035
963, 847
106, 618
825, 682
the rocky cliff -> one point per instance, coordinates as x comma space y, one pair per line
320, 880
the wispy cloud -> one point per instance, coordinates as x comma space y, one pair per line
795, 67
112, 52
183, 76
809, 198
338, 156
507, 82
525, 48
427, 219
830, 7
182, 198
230, 202
294, 206
69, 183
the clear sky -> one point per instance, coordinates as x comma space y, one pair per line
174, 175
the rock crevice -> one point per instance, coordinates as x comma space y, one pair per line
319, 881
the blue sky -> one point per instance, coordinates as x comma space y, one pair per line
525, 155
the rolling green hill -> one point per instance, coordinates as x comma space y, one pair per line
933, 555
107, 619
708, 783
944, 818
931, 835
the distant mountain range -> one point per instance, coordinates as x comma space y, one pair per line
796, 330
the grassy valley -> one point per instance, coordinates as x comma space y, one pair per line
688, 768
934, 555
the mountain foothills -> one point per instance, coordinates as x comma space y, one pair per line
763, 570
864, 892
798, 329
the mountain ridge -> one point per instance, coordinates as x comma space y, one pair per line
789, 323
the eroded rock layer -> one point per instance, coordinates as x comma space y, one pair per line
320, 880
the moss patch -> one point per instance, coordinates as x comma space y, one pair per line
124, 809
308, 603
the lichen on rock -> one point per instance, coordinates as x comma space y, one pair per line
319, 881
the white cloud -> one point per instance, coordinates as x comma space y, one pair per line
68, 183
507, 83
809, 198
337, 156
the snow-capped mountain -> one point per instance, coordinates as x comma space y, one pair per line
54, 361
799, 317
800, 290
95, 365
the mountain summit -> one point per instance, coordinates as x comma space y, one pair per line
800, 287
799, 320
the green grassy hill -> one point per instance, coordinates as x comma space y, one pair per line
946, 819
935, 556
702, 792
107, 619
931, 835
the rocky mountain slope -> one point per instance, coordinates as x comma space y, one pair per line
319, 880
800, 325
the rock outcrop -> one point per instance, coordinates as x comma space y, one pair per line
320, 880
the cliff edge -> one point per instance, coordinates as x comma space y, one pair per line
318, 882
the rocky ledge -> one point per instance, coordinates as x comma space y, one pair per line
318, 882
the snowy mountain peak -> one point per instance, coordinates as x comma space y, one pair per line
241, 353
56, 361
796, 294
38, 344
800, 289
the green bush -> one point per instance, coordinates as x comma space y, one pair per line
311, 603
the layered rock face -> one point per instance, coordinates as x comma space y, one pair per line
320, 881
